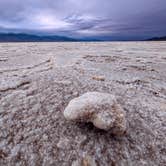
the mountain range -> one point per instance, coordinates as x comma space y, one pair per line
158, 39
23, 37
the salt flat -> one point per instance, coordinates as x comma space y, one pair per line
37, 81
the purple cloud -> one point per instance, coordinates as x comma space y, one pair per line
85, 18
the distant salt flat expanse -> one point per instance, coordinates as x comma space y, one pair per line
37, 81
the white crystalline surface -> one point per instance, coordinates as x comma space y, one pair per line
38, 81
99, 108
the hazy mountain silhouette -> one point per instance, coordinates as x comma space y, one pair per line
158, 39
21, 37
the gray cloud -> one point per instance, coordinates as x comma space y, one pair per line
85, 17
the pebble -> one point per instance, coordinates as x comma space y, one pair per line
98, 78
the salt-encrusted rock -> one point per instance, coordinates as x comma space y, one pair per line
98, 78
101, 109
85, 161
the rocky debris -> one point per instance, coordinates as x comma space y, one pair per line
101, 109
98, 78
85, 161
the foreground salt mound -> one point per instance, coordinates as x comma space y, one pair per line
101, 109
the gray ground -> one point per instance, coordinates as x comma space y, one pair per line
37, 80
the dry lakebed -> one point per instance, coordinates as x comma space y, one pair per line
37, 82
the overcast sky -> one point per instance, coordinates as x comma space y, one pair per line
79, 18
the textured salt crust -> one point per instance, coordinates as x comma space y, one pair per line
102, 109
33, 130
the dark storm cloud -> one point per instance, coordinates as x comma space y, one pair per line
84, 17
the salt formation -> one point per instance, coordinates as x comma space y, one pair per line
101, 109
34, 91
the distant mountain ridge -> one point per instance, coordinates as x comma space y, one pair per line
158, 39
22, 37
